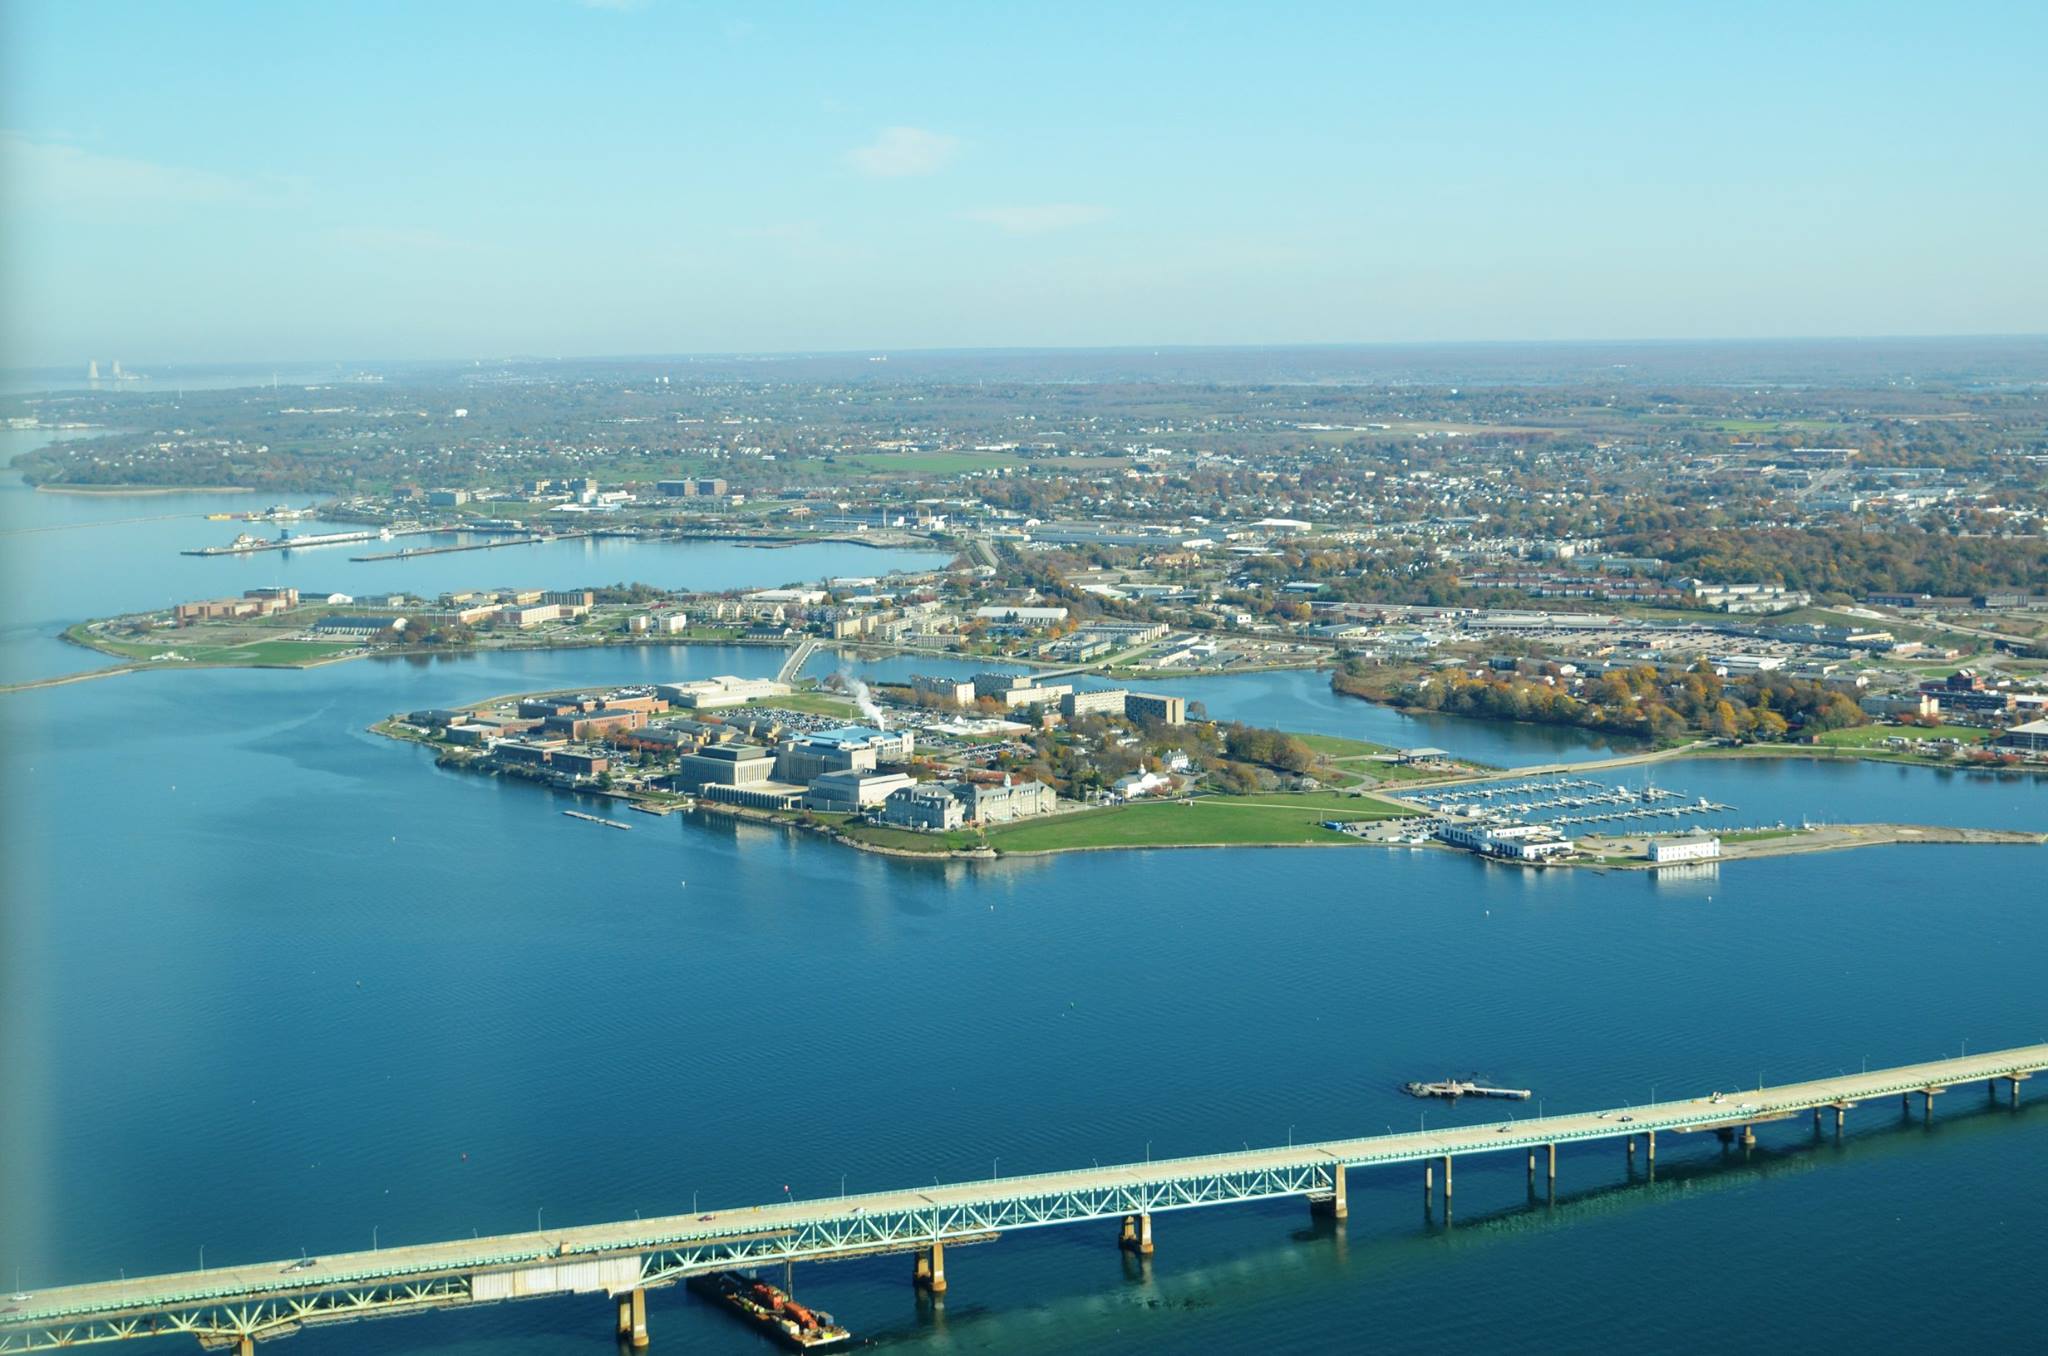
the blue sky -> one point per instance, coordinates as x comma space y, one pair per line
221, 182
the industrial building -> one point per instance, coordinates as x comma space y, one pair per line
2031, 737
1107, 702
1154, 709
704, 694
1517, 842
579, 764
1014, 690
850, 792
726, 765
757, 795
925, 806
1695, 848
981, 803
528, 615
958, 691
599, 724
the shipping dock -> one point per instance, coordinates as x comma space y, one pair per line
248, 545
407, 553
770, 1311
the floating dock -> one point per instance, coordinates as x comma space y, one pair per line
598, 819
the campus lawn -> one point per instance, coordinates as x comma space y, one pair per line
911, 840
816, 703
1864, 736
1212, 819
1335, 746
279, 652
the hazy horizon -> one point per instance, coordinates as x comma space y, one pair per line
248, 183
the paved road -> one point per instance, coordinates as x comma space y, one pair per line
146, 1294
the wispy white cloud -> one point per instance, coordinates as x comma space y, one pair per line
1039, 218
56, 175
899, 152
616, 6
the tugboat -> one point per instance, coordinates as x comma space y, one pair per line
770, 1311
1454, 1088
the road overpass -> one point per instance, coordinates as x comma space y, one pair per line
236, 1306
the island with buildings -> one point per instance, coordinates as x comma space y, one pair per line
1005, 764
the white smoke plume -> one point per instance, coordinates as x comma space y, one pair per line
865, 699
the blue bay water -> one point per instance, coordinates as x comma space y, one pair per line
270, 983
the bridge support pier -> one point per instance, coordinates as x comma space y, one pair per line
928, 1272
1927, 1101
1447, 1181
1553, 1165
1749, 1137
1137, 1235
633, 1318
1334, 1206
245, 1345
1631, 1153
1650, 1146
1428, 1183
2013, 1085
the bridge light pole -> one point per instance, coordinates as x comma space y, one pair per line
1290, 1136
995, 1173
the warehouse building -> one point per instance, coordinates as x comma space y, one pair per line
999, 804
850, 792
1154, 709
928, 806
726, 765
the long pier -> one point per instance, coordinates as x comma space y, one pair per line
234, 1307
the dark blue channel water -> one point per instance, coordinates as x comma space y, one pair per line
269, 983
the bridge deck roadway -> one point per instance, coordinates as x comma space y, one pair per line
275, 1280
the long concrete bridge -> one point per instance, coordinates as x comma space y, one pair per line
236, 1306
793, 665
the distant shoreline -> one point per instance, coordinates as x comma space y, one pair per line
145, 489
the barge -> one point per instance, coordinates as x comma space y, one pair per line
770, 1311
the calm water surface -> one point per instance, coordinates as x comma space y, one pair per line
72, 556
269, 983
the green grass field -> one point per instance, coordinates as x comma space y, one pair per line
1335, 746
912, 840
927, 463
816, 703
1867, 736
1217, 819
281, 651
